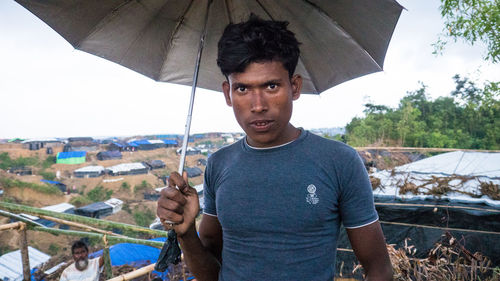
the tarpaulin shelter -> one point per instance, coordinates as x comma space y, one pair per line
115, 203
154, 164
95, 210
62, 187
59, 208
448, 192
72, 157
109, 155
11, 267
170, 143
127, 169
89, 172
193, 172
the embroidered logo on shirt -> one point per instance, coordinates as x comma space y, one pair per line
312, 198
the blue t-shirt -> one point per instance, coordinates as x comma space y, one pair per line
281, 208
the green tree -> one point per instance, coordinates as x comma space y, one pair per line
471, 21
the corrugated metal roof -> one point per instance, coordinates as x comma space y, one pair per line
11, 264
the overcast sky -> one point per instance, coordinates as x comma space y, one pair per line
48, 89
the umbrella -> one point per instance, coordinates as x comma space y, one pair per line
176, 40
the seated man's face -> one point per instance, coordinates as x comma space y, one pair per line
81, 258
262, 99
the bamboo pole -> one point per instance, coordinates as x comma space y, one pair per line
23, 245
20, 218
8, 226
81, 219
79, 225
134, 274
111, 239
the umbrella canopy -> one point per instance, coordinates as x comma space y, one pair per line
341, 39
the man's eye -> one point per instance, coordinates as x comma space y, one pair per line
272, 86
241, 89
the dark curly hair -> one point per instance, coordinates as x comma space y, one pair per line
77, 245
257, 40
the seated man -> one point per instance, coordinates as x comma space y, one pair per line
83, 268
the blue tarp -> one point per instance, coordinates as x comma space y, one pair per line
170, 142
71, 154
52, 182
131, 254
139, 142
118, 144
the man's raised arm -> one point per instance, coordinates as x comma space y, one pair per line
180, 206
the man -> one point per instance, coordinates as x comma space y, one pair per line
83, 268
274, 201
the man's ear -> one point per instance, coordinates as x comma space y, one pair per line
226, 88
296, 82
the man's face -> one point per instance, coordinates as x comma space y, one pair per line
80, 256
262, 99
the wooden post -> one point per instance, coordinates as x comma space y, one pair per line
23, 245
136, 273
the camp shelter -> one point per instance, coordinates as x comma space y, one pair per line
89, 172
115, 203
59, 208
154, 164
95, 210
62, 187
72, 157
122, 146
11, 267
193, 172
109, 155
145, 144
201, 161
190, 151
127, 169
456, 190
170, 143
20, 170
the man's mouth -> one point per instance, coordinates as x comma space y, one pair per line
261, 125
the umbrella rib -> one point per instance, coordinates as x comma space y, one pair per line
322, 12
264, 9
303, 63
171, 39
228, 14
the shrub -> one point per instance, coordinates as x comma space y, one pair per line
48, 175
143, 186
143, 218
43, 188
99, 193
125, 186
6, 162
79, 201
47, 163
54, 249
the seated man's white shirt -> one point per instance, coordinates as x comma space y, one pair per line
91, 273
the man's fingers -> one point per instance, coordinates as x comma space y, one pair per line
176, 180
171, 193
167, 215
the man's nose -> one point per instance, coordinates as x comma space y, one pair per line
259, 103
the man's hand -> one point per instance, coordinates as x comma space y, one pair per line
178, 205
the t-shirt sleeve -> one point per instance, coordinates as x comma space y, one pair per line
209, 191
356, 200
